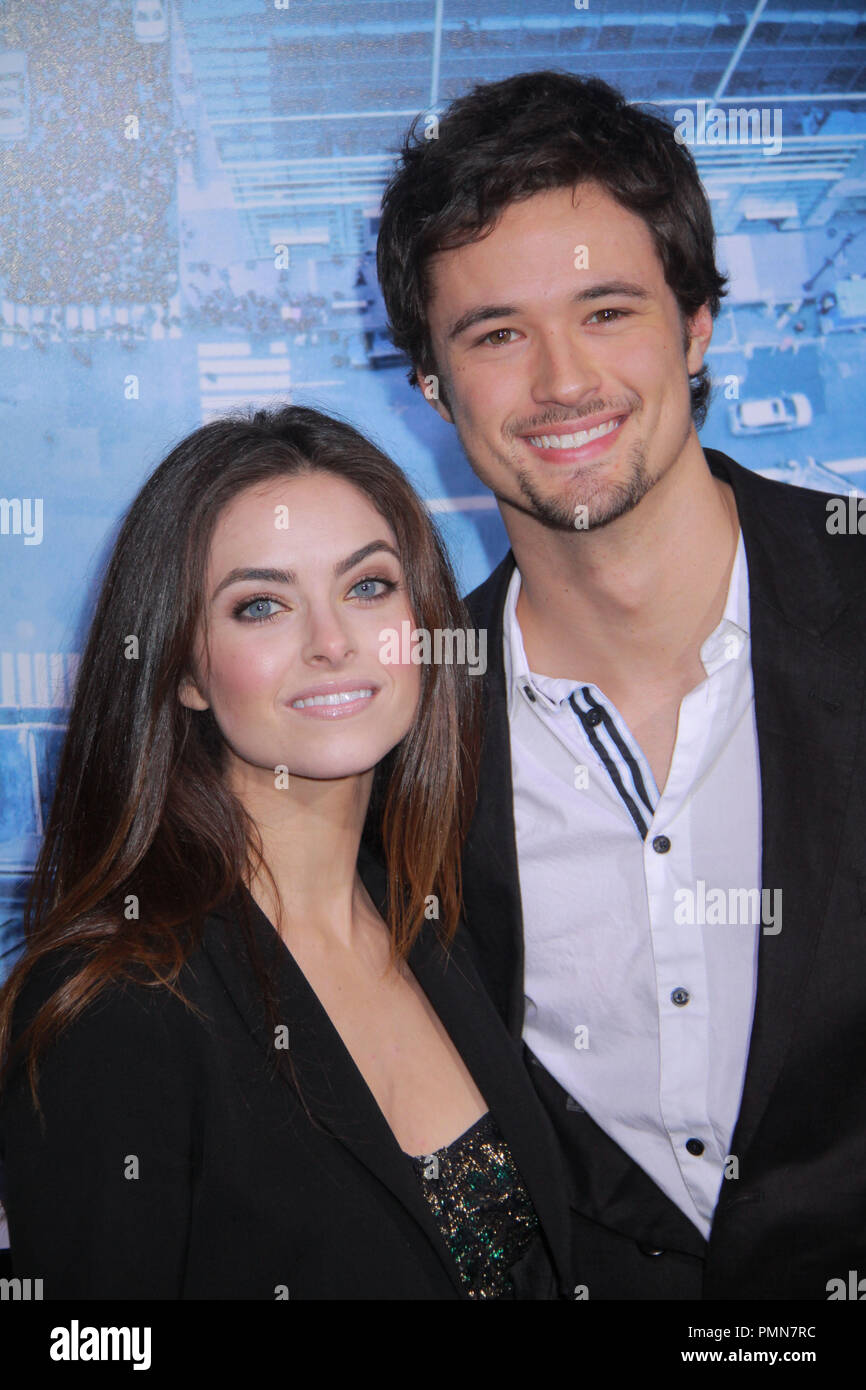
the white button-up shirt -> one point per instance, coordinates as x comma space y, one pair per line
642, 911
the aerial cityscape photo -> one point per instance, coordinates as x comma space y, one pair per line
189, 205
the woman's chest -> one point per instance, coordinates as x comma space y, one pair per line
403, 1051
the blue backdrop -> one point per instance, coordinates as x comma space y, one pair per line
189, 196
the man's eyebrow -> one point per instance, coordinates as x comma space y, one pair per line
473, 316
274, 576
625, 288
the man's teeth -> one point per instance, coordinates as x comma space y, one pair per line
573, 441
341, 697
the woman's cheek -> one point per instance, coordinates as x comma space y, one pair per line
244, 670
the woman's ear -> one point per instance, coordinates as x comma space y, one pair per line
189, 694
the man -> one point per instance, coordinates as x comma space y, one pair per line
665, 879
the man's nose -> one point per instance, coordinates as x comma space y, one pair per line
564, 370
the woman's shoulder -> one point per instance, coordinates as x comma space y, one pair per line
92, 1000
122, 1072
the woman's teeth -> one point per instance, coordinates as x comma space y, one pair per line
342, 697
573, 441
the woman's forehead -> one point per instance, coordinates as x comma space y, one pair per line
307, 517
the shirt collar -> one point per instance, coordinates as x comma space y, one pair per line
728, 641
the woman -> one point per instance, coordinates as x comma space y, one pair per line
229, 1078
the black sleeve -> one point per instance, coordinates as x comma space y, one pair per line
98, 1198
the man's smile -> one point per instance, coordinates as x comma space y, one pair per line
566, 440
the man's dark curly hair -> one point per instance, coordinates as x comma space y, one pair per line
505, 141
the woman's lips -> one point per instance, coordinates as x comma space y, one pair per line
337, 705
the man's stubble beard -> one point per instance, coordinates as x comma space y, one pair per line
604, 501
590, 505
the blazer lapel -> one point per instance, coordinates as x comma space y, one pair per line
463, 1005
329, 1080
809, 689
459, 998
491, 886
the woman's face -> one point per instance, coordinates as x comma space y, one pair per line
302, 577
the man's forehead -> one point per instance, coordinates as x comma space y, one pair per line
545, 215
535, 247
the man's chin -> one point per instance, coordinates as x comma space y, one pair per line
584, 513
590, 505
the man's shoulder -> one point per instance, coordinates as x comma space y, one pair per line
794, 525
777, 496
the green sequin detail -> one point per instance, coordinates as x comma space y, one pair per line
481, 1206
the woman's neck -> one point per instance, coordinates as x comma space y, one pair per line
310, 835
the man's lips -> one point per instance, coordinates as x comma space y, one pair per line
574, 437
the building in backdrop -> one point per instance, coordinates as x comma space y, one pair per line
189, 202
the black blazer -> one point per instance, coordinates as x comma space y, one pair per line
237, 1194
796, 1215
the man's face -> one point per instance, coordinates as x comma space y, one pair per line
561, 351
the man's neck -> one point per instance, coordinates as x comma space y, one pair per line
632, 602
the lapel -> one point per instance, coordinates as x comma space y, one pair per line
491, 886
463, 1005
335, 1090
809, 686
467, 1013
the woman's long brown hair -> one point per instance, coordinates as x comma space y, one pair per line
141, 808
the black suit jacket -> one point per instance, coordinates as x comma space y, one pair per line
796, 1215
176, 1165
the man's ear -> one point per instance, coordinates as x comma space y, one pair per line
431, 387
189, 694
699, 330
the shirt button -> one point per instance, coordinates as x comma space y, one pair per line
529, 693
680, 996
594, 717
695, 1147
661, 844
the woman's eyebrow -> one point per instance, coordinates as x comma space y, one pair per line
275, 576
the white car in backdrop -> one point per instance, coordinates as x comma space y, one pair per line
14, 96
150, 20
783, 412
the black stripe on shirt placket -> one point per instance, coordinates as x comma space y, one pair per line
610, 766
616, 736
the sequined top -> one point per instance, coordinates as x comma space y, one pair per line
477, 1196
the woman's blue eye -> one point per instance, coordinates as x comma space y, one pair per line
386, 584
261, 609
255, 609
